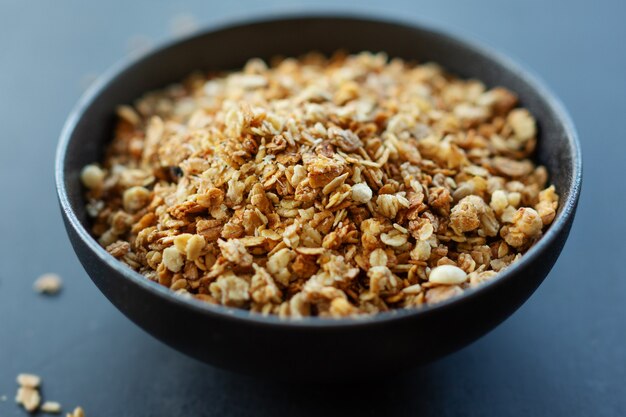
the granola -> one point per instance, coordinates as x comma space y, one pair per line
48, 284
317, 186
28, 392
29, 397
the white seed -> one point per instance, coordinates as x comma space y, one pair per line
447, 274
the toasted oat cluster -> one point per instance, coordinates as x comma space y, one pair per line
321, 186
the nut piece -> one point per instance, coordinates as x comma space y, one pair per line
548, 202
194, 247
381, 279
180, 242
340, 307
51, 407
29, 380
172, 259
78, 412
29, 398
523, 124
527, 224
48, 284
448, 275
472, 213
230, 290
439, 294
135, 198
277, 265
235, 251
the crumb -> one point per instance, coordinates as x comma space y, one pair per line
29, 398
28, 380
48, 284
78, 412
51, 407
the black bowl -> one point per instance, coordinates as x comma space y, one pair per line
312, 348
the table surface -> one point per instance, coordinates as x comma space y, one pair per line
562, 354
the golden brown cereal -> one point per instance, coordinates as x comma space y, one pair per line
320, 186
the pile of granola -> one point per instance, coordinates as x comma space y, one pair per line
321, 186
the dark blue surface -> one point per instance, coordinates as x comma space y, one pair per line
562, 354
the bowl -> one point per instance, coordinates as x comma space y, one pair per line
312, 348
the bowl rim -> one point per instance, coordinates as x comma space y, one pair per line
240, 315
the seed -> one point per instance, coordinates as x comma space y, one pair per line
447, 274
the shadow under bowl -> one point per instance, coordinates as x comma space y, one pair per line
312, 348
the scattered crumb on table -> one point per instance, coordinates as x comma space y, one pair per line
49, 283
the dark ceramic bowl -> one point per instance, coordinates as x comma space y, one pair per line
312, 348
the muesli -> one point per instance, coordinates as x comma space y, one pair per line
320, 186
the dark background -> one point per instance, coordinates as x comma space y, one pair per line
562, 354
